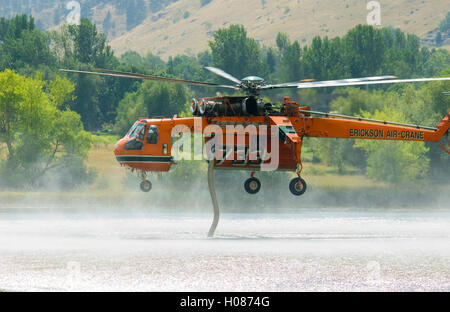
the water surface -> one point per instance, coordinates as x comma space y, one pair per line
329, 250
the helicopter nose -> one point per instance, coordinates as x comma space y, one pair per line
119, 147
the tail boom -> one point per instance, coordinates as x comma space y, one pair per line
344, 128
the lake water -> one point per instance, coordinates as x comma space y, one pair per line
332, 250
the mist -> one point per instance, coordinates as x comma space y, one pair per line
186, 190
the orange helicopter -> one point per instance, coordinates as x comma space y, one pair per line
147, 147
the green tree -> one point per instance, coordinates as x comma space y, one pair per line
353, 102
152, 99
337, 153
437, 61
363, 50
31, 49
128, 111
23, 44
89, 46
324, 59
205, 58
394, 161
439, 39
10, 29
427, 106
163, 99
235, 53
88, 99
271, 60
107, 23
40, 138
283, 42
290, 67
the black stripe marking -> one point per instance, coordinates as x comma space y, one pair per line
148, 159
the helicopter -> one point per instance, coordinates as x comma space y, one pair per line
147, 147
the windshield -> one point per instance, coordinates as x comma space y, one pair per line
135, 130
131, 129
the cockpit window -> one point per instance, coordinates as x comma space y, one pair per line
135, 130
141, 134
153, 135
131, 129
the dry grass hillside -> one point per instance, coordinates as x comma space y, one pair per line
172, 31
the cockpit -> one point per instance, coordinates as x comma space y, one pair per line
145, 147
140, 133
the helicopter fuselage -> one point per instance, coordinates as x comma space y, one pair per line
148, 145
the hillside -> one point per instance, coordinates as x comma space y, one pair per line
173, 31
112, 17
170, 27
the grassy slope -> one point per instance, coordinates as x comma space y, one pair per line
171, 34
102, 159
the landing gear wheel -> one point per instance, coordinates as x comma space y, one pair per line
252, 186
297, 186
146, 186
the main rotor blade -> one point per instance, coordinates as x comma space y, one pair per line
223, 74
112, 73
360, 83
327, 83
